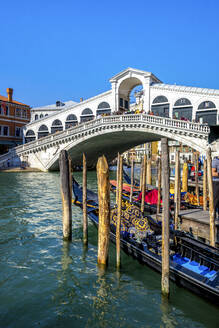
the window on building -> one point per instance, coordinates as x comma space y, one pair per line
36, 117
160, 106
41, 115
18, 132
103, 108
126, 104
4, 109
24, 113
18, 112
206, 105
5, 130
30, 136
121, 102
71, 120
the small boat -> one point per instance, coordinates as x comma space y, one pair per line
193, 264
187, 199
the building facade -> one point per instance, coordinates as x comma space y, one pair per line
13, 116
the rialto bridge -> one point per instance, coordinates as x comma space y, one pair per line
107, 135
78, 128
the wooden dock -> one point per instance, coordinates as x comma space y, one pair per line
196, 221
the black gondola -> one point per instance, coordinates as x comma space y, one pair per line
193, 264
153, 208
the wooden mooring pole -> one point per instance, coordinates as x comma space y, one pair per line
66, 194
159, 185
149, 177
205, 186
185, 177
119, 212
143, 186
117, 177
196, 179
165, 217
132, 179
104, 210
85, 221
211, 198
176, 190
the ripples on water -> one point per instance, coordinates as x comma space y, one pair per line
45, 282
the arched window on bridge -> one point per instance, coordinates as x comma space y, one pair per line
56, 126
160, 106
43, 131
71, 120
30, 136
207, 113
182, 109
103, 108
41, 115
86, 115
36, 117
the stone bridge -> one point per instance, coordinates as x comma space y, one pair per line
107, 135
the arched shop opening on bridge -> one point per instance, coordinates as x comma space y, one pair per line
130, 90
182, 109
43, 131
160, 106
30, 136
56, 126
103, 108
86, 115
207, 113
71, 121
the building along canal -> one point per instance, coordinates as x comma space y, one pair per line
46, 282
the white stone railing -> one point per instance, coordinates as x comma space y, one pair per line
158, 121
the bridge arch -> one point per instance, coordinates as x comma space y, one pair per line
86, 115
56, 126
207, 113
30, 136
43, 131
103, 108
71, 120
160, 106
125, 87
122, 135
182, 109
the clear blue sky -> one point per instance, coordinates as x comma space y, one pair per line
63, 50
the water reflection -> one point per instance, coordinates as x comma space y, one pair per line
166, 318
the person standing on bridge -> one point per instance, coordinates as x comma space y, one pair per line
215, 178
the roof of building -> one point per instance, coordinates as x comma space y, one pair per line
52, 107
174, 87
2, 98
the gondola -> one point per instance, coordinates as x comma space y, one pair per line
193, 264
152, 208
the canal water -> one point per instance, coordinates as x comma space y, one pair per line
45, 282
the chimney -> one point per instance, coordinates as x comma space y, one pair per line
10, 93
81, 99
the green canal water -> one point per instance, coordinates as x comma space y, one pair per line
45, 282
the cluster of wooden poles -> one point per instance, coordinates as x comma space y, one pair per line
104, 202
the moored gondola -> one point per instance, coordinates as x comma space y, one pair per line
193, 265
188, 200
